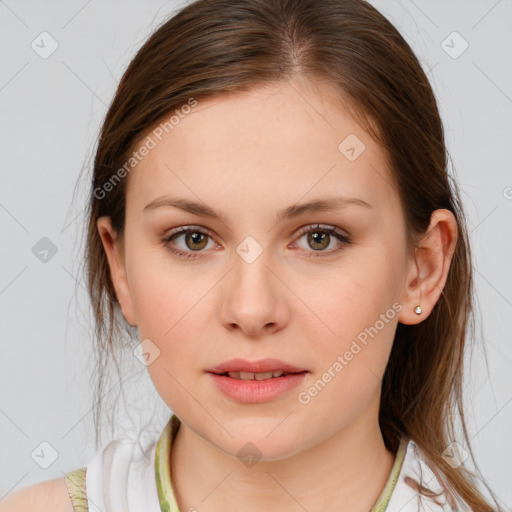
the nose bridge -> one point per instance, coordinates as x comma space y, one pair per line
251, 262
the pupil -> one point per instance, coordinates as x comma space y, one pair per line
196, 238
318, 237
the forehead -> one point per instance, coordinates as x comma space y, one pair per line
265, 148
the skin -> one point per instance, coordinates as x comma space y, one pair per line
251, 155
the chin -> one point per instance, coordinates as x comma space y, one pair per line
251, 445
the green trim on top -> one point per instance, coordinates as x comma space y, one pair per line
162, 466
163, 477
75, 481
382, 502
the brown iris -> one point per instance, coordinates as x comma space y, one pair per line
198, 239
317, 237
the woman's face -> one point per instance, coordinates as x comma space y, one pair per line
254, 283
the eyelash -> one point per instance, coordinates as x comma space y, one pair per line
312, 228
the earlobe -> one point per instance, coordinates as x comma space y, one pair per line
429, 269
117, 267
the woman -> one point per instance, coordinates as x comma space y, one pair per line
271, 210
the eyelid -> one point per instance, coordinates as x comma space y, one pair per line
324, 227
189, 228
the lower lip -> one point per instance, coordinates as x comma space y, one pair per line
256, 391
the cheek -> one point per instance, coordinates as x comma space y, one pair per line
348, 298
169, 313
351, 357
170, 302
161, 295
353, 314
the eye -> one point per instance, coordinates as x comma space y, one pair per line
319, 237
196, 238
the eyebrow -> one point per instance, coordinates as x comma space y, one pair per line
202, 210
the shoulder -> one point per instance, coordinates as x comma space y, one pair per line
50, 496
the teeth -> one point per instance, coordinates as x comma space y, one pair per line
255, 376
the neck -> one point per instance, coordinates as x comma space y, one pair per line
349, 467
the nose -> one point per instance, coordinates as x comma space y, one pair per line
254, 298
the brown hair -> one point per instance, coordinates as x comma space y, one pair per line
214, 47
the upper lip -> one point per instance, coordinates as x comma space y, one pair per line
262, 365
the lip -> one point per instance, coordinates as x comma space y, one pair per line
262, 365
256, 391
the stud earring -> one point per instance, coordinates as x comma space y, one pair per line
418, 310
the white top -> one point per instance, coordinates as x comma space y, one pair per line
406, 499
122, 477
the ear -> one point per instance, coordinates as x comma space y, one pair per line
117, 268
428, 270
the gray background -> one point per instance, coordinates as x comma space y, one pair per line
50, 112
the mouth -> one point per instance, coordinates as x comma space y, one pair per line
262, 369
239, 375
